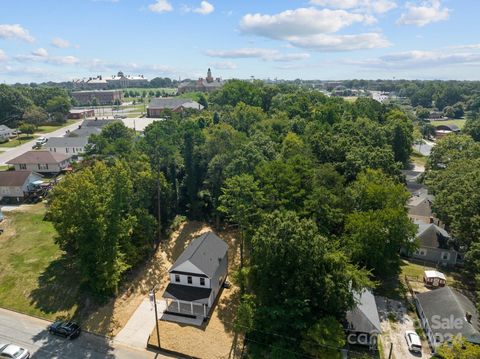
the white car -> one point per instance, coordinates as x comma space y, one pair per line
41, 141
10, 351
413, 341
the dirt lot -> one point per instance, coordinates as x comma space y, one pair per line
395, 320
215, 339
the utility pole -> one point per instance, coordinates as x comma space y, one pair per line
390, 353
152, 296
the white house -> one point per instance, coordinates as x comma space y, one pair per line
5, 133
41, 161
16, 184
67, 145
196, 277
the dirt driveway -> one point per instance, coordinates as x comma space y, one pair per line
395, 321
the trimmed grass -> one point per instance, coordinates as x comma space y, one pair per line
14, 142
34, 278
459, 123
416, 270
50, 128
418, 158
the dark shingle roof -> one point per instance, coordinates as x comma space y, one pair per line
186, 292
447, 303
364, 317
85, 132
34, 157
204, 252
67, 141
431, 235
173, 103
14, 178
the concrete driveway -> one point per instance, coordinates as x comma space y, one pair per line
31, 333
27, 146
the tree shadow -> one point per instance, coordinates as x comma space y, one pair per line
85, 346
227, 307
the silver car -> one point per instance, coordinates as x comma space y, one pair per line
10, 351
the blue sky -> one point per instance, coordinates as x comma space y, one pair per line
60, 40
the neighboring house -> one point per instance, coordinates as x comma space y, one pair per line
446, 313
443, 130
67, 145
81, 113
5, 133
157, 106
363, 322
16, 184
84, 132
41, 161
435, 244
420, 206
196, 277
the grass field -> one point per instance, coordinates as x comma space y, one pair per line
14, 142
34, 278
418, 158
459, 123
50, 128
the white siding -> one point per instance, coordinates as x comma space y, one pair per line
184, 280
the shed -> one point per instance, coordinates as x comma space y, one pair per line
433, 278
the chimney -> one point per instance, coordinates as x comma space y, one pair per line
468, 317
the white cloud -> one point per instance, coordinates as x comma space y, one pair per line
299, 22
426, 12
205, 8
419, 59
15, 31
226, 65
323, 42
377, 6
264, 54
466, 47
61, 43
3, 55
41, 52
160, 6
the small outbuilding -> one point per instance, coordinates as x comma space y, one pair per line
443, 130
16, 184
433, 278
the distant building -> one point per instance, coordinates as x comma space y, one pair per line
207, 84
5, 133
120, 80
158, 105
443, 130
77, 114
67, 145
107, 97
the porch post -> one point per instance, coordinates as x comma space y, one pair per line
205, 310
191, 307
178, 305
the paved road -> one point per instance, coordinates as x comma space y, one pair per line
31, 333
27, 146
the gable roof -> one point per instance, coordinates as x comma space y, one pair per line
15, 178
431, 235
34, 157
85, 132
4, 128
67, 141
364, 317
173, 103
448, 303
205, 252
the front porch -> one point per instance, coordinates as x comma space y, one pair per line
175, 306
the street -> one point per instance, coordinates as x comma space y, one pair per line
31, 333
27, 146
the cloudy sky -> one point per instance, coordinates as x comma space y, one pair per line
311, 39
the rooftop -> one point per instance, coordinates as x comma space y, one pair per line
173, 103
364, 317
67, 141
34, 157
14, 178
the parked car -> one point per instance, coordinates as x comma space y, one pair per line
13, 351
70, 330
413, 341
41, 141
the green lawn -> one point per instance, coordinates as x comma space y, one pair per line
459, 123
50, 128
34, 277
416, 270
14, 142
418, 158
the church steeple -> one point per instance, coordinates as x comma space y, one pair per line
209, 76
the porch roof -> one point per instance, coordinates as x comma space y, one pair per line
186, 293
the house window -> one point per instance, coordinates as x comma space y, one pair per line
421, 252
66, 150
189, 280
23, 166
445, 256
73, 149
202, 281
177, 278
